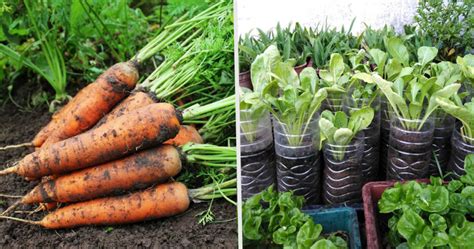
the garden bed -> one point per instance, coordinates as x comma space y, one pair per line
182, 231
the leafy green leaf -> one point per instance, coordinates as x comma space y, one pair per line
426, 54
391, 199
380, 58
462, 235
361, 119
398, 51
323, 244
413, 228
468, 178
434, 199
364, 76
308, 234
309, 79
340, 120
343, 136
336, 66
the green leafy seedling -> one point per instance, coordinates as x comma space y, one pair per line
339, 130
292, 99
272, 219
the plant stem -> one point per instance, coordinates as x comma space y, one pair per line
210, 155
211, 188
199, 112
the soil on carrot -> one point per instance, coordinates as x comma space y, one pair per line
181, 231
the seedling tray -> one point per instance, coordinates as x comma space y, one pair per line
338, 219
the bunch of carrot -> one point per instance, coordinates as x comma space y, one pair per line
114, 138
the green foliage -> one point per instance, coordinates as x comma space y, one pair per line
431, 215
463, 112
324, 41
411, 88
205, 60
334, 76
87, 35
289, 40
376, 39
199, 71
176, 8
339, 129
466, 65
271, 218
450, 25
300, 96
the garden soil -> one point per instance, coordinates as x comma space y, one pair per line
182, 231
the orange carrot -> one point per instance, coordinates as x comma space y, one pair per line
141, 128
136, 171
185, 135
137, 99
90, 104
161, 201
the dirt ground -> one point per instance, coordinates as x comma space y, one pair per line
181, 231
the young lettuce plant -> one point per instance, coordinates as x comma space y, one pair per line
446, 73
390, 65
433, 215
463, 112
361, 93
275, 219
411, 94
339, 130
334, 77
292, 99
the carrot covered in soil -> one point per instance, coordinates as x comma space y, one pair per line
98, 98
186, 134
161, 201
140, 170
141, 128
137, 99
136, 171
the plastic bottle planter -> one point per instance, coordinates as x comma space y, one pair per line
441, 147
343, 176
298, 161
334, 102
385, 115
371, 139
409, 152
461, 146
257, 155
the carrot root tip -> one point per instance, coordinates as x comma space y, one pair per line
8, 171
10, 196
8, 147
9, 209
32, 222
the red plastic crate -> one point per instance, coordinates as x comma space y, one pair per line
376, 223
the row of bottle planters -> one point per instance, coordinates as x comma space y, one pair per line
346, 219
336, 174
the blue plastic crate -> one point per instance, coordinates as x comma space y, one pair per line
338, 219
